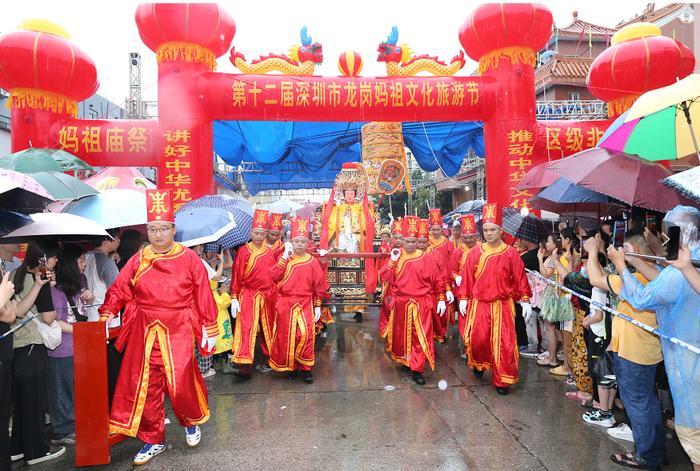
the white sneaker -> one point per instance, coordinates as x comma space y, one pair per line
193, 435
543, 356
622, 432
148, 452
208, 373
600, 418
16, 457
54, 452
560, 355
530, 353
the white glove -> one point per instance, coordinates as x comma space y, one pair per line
317, 314
395, 254
207, 342
235, 308
288, 250
527, 310
458, 280
441, 308
463, 307
322, 252
107, 321
450, 297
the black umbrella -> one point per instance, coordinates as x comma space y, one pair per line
529, 227
10, 220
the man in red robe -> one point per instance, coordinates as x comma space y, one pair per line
274, 232
493, 279
387, 289
169, 305
414, 279
444, 256
252, 297
301, 287
469, 239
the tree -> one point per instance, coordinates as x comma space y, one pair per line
423, 197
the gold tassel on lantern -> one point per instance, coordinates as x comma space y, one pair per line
516, 55
188, 52
618, 106
42, 100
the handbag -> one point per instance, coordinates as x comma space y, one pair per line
50, 333
604, 371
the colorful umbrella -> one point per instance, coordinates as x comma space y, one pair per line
123, 178
21, 192
196, 226
65, 227
113, 208
661, 123
242, 213
42, 160
620, 176
525, 227
538, 176
686, 183
10, 220
63, 186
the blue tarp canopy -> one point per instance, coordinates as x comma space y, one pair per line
293, 155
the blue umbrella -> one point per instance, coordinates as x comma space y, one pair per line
468, 207
202, 225
10, 220
564, 191
113, 208
242, 212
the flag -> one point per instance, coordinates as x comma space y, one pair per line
580, 39
590, 39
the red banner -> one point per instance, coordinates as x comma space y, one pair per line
108, 143
299, 98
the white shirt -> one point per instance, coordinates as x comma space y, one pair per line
601, 297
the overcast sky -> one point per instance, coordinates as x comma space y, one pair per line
106, 30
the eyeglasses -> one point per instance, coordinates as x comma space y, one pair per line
159, 230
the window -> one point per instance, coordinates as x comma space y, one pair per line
573, 96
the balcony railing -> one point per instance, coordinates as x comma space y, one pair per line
572, 109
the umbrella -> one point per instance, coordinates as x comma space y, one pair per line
41, 160
20, 191
686, 183
308, 210
529, 227
282, 206
538, 176
620, 176
660, 124
123, 178
66, 227
113, 208
10, 220
242, 213
468, 207
63, 186
201, 225
564, 191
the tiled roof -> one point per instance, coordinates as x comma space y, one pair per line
563, 70
651, 15
576, 26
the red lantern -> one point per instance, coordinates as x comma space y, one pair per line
505, 30
194, 32
639, 60
44, 70
350, 64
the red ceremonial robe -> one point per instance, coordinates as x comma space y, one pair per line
387, 295
254, 289
301, 286
443, 254
167, 299
416, 283
493, 279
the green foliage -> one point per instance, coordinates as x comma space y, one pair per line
418, 203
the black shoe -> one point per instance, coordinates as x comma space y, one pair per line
502, 391
418, 378
478, 373
405, 369
307, 376
358, 316
292, 375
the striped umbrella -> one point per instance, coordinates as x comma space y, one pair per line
242, 212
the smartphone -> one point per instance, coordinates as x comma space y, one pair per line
619, 230
43, 269
674, 242
650, 221
584, 252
